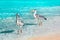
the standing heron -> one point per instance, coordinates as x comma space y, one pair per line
19, 22
38, 17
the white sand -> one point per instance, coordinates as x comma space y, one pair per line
52, 25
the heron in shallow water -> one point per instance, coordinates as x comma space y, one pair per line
19, 22
38, 17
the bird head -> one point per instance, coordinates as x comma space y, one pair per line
34, 10
17, 15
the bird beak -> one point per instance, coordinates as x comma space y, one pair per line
32, 11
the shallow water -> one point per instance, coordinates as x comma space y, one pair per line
52, 25
8, 22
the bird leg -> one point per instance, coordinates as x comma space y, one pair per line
40, 24
19, 31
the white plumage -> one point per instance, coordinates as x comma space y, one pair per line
38, 17
19, 23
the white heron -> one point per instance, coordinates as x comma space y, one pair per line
38, 17
19, 22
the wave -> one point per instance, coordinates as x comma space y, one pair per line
26, 11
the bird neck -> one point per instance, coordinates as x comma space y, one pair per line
35, 12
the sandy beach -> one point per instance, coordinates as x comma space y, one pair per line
50, 29
47, 37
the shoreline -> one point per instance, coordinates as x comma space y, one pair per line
55, 36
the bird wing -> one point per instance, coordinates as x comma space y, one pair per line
40, 16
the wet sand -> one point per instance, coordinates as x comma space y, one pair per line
47, 37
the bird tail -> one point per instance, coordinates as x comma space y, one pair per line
45, 18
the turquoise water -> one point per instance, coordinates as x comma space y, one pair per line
8, 9
48, 8
11, 7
